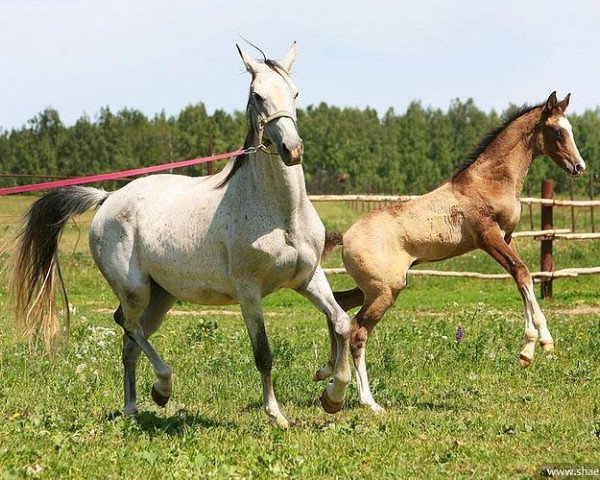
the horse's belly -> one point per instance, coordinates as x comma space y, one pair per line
200, 276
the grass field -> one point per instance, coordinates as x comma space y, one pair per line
452, 409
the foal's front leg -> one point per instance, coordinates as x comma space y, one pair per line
318, 291
493, 242
250, 302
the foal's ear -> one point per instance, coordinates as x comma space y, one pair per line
249, 62
564, 103
551, 102
290, 56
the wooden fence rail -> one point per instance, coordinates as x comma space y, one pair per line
537, 276
406, 198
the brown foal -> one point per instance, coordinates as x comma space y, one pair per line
478, 207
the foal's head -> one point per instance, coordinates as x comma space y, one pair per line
272, 105
555, 137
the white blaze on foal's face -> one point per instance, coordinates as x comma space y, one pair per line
563, 122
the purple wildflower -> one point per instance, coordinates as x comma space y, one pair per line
460, 333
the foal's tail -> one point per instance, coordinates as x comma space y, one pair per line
332, 240
36, 267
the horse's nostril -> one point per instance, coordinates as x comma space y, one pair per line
285, 148
578, 168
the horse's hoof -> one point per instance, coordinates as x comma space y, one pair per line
524, 361
160, 399
547, 346
130, 410
283, 422
329, 405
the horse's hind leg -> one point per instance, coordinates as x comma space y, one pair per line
152, 318
135, 299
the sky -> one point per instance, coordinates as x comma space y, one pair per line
78, 56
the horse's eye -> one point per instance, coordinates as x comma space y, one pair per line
257, 97
296, 96
558, 133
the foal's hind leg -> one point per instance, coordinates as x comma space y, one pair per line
152, 318
377, 302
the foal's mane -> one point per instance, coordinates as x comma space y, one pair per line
489, 137
237, 163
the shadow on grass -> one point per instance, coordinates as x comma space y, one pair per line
174, 425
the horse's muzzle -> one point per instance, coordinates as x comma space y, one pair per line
292, 156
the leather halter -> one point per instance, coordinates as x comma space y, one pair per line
262, 120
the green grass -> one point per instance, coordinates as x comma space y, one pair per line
453, 410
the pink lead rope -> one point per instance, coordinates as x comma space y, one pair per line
125, 173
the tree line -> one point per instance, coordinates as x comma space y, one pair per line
347, 150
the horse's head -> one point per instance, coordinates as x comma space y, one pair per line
272, 105
555, 138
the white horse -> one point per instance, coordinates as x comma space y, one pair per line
234, 237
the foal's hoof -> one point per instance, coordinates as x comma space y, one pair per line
525, 361
160, 399
375, 408
329, 405
547, 346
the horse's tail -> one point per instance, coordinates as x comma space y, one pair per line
332, 240
36, 267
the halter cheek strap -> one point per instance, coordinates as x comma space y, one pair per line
263, 120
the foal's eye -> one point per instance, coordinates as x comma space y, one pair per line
558, 134
296, 96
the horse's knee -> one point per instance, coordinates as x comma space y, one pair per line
522, 276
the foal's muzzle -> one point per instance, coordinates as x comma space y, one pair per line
578, 169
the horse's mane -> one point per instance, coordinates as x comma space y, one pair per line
489, 137
237, 163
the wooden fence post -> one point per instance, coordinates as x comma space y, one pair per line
592, 198
210, 166
547, 262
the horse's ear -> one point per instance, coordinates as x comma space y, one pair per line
249, 62
290, 56
551, 102
564, 103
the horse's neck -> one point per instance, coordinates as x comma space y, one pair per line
274, 181
507, 160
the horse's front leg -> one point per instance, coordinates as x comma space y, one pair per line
318, 291
250, 302
494, 243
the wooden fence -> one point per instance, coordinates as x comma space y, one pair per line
546, 235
